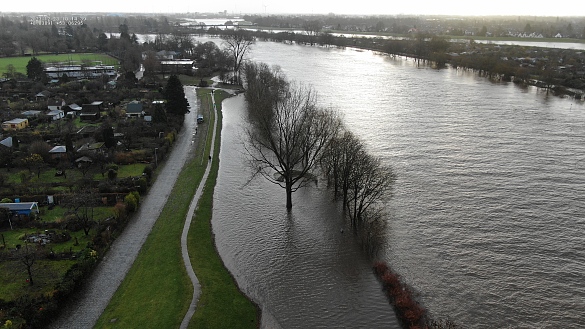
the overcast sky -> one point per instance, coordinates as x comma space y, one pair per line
368, 7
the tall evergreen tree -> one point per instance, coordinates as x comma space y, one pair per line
34, 69
159, 116
176, 103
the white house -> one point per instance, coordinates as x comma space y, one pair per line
56, 115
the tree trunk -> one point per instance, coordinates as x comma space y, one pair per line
30, 276
288, 196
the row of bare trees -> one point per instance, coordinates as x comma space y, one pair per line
291, 140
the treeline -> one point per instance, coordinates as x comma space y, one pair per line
568, 27
557, 69
292, 141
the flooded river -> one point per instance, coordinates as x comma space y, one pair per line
486, 223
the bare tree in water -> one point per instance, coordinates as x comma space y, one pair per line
288, 131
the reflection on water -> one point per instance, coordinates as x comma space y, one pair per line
486, 222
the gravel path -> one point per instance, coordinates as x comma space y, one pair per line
84, 309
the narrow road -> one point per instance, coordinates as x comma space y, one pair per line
84, 309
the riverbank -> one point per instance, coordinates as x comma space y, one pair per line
399, 36
561, 71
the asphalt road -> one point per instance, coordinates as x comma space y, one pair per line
85, 308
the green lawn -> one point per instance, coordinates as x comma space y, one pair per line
47, 174
46, 275
21, 62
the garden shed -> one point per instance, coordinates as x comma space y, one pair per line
21, 208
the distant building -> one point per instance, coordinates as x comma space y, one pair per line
91, 112
134, 110
71, 110
80, 72
177, 66
7, 142
58, 152
21, 208
56, 115
15, 124
31, 113
55, 104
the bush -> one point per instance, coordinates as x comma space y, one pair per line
148, 171
112, 174
142, 185
120, 211
408, 310
124, 158
131, 202
112, 166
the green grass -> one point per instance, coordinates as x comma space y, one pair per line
21, 62
46, 274
15, 237
58, 213
221, 304
131, 170
189, 80
47, 175
156, 292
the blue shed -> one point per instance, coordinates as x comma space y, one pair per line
21, 208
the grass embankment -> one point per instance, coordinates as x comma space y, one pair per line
73, 59
156, 293
221, 304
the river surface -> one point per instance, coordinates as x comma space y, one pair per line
486, 223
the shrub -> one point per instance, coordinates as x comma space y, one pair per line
408, 310
112, 166
105, 187
124, 158
112, 174
120, 211
141, 185
380, 268
131, 202
148, 172
136, 196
